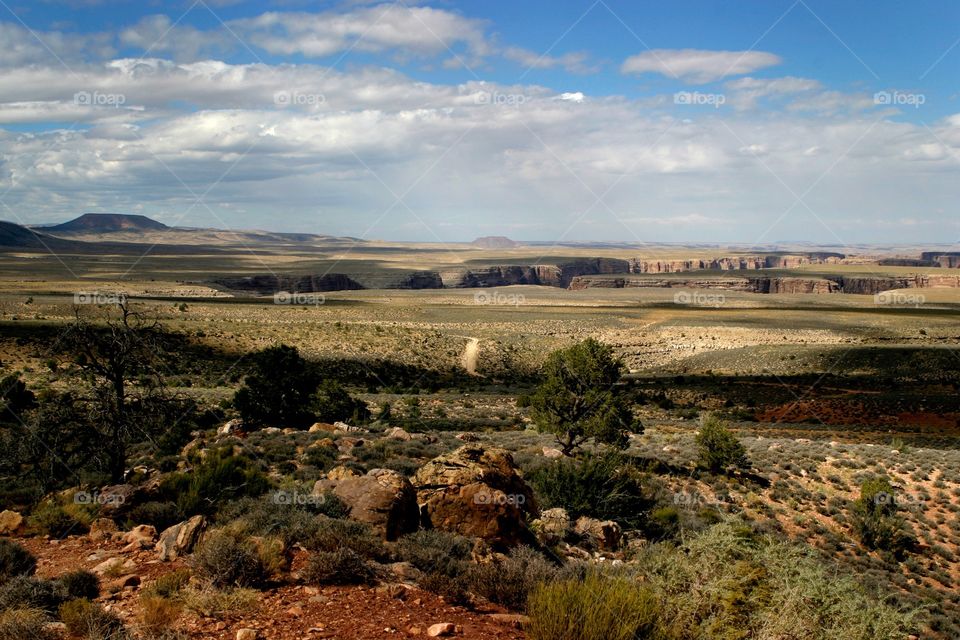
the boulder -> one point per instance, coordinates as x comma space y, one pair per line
179, 539
247, 634
552, 526
467, 437
115, 567
343, 427
604, 535
441, 629
382, 498
140, 537
550, 452
117, 499
11, 522
397, 434
230, 427
102, 529
322, 426
476, 491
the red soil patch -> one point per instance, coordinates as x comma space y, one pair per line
285, 611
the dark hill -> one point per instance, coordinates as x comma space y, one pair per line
16, 236
108, 223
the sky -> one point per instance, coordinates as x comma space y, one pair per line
756, 121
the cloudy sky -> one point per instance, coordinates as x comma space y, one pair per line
756, 121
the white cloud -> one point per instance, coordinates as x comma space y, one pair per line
698, 66
574, 62
386, 27
158, 34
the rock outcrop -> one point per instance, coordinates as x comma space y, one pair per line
11, 522
180, 539
476, 491
382, 498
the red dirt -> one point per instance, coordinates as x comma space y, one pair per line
286, 611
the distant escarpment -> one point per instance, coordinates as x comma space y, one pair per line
734, 263
946, 259
867, 285
749, 284
552, 275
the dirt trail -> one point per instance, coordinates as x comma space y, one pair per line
469, 358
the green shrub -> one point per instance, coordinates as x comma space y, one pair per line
80, 584
332, 403
596, 608
278, 514
158, 514
158, 615
453, 588
170, 584
15, 560
730, 582
605, 486
88, 620
333, 534
435, 551
876, 519
220, 477
23, 592
223, 560
510, 581
278, 391
341, 567
23, 624
579, 398
55, 521
719, 448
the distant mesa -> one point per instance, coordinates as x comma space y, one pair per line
108, 223
495, 242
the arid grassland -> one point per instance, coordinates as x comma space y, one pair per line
781, 464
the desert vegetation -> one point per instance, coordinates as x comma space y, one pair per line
189, 490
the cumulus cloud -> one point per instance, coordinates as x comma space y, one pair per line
698, 66
386, 27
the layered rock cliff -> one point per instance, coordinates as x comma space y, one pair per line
867, 285
749, 284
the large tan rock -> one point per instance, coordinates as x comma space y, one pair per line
552, 526
179, 539
11, 522
476, 491
102, 529
605, 535
140, 537
382, 498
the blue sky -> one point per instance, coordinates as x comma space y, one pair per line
755, 121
